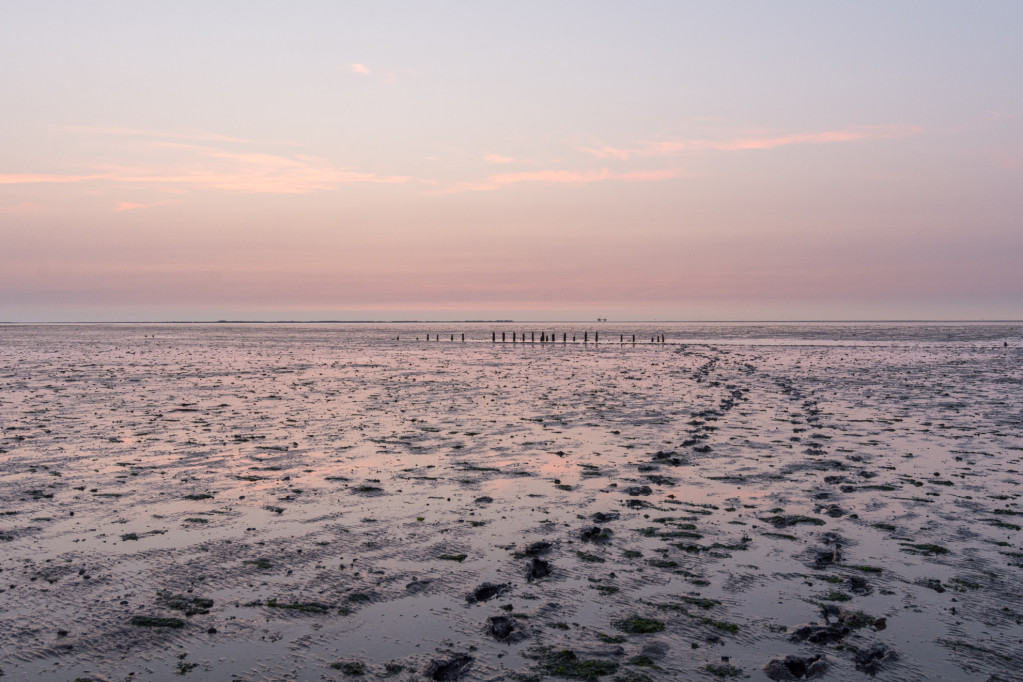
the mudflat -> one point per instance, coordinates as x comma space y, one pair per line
274, 502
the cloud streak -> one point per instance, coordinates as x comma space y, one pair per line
38, 178
218, 169
23, 207
561, 177
129, 206
753, 142
255, 173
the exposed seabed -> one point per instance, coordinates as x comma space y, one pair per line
297, 502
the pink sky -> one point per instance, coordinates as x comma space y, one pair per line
349, 163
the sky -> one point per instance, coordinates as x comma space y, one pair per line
510, 160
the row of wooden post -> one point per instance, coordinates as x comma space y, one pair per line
549, 338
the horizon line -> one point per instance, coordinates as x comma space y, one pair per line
509, 321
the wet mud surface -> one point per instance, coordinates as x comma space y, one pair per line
268, 502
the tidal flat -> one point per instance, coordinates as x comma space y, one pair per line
346, 502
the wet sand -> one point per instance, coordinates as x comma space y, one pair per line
273, 502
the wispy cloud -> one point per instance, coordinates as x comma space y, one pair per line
752, 142
249, 172
23, 207
129, 206
34, 178
361, 69
561, 177
216, 167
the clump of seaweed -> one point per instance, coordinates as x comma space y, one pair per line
638, 625
566, 663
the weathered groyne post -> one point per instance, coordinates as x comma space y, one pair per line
493, 337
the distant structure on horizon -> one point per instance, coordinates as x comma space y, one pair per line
601, 319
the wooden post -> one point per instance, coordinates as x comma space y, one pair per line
452, 337
493, 337
596, 337
586, 337
463, 337
634, 338
532, 337
502, 337
513, 337
564, 337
